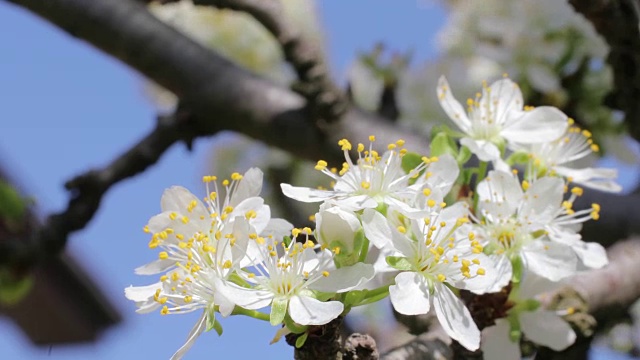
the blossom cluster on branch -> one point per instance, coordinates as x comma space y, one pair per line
420, 229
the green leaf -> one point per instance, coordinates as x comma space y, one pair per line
278, 310
518, 157
463, 155
13, 291
293, 327
211, 319
410, 160
301, 340
399, 262
287, 240
443, 144
12, 205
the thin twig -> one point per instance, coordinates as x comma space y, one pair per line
88, 189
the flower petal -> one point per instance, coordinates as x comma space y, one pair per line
594, 178
155, 267
483, 149
592, 255
410, 294
496, 343
305, 194
345, 278
455, 318
550, 260
376, 228
193, 336
179, 199
249, 186
250, 299
542, 124
306, 310
499, 194
451, 106
141, 293
548, 329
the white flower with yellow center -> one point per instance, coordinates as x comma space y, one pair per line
513, 225
371, 181
202, 245
291, 277
528, 317
436, 253
497, 116
551, 158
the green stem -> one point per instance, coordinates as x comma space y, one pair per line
251, 313
364, 250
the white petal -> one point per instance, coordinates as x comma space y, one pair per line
595, 178
410, 294
451, 106
306, 310
455, 318
159, 222
355, 203
178, 199
551, 260
345, 278
249, 186
336, 224
193, 336
542, 124
406, 209
499, 194
483, 149
506, 96
496, 343
306, 194
141, 293
277, 228
548, 329
376, 228
592, 255
250, 299
482, 284
155, 267
543, 200
534, 285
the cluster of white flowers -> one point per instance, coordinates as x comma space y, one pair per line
437, 223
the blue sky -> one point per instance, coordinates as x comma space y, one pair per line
67, 107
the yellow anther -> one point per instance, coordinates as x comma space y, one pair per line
426, 192
295, 232
321, 165
345, 145
472, 236
188, 299
476, 261
163, 255
455, 258
213, 196
360, 147
365, 185
441, 277
372, 138
440, 250
163, 278
185, 220
400, 142
236, 176
525, 185
466, 263
165, 310
595, 148
595, 207
402, 229
336, 250
391, 146
146, 229
480, 271
571, 310
577, 191
312, 217
227, 264
173, 216
225, 182
251, 214
325, 273
431, 203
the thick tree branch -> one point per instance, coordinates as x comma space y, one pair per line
325, 100
87, 191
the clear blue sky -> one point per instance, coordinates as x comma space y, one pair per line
67, 107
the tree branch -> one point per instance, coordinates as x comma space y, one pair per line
325, 100
87, 191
